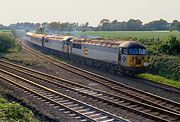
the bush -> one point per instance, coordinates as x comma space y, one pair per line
166, 66
12, 112
171, 46
7, 41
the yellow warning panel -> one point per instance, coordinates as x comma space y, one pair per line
85, 51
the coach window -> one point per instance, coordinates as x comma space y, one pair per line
46, 40
79, 46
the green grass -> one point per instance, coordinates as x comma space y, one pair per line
160, 79
14, 112
5, 30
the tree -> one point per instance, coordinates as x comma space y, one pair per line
40, 30
157, 25
133, 25
38, 25
178, 26
84, 27
54, 26
171, 46
44, 24
104, 21
114, 26
69, 26
104, 25
173, 25
7, 41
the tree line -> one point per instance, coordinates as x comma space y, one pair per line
137, 25
104, 25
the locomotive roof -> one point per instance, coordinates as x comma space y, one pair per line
89, 41
58, 38
131, 44
50, 37
107, 43
98, 42
35, 35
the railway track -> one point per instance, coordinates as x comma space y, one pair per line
154, 84
114, 85
68, 105
153, 111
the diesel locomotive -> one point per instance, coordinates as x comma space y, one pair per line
127, 57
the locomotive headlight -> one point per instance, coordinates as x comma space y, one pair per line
146, 64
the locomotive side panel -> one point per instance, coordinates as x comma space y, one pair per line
96, 52
36, 41
54, 44
77, 49
28, 38
102, 53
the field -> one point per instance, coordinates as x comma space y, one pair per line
151, 39
5, 30
132, 35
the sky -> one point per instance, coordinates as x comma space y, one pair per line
92, 11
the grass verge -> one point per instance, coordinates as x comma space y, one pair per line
160, 79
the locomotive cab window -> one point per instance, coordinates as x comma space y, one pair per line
142, 51
136, 51
133, 51
124, 51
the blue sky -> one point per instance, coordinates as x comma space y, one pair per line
92, 11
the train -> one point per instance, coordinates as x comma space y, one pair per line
124, 57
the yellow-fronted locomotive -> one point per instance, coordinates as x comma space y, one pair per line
116, 56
